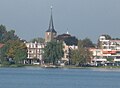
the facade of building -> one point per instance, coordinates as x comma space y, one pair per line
35, 53
67, 49
108, 48
97, 55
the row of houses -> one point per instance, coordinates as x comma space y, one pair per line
35, 50
108, 48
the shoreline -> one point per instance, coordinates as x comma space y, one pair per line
57, 67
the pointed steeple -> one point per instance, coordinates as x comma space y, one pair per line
51, 25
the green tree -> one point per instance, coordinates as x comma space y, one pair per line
7, 35
81, 55
75, 55
14, 49
3, 32
20, 55
53, 52
71, 40
87, 43
11, 35
3, 53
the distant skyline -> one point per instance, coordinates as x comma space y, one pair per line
81, 18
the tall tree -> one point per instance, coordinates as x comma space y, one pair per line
80, 56
53, 52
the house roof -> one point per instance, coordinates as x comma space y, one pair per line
63, 36
68, 39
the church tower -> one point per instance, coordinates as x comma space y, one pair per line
50, 34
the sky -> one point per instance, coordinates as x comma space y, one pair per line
81, 18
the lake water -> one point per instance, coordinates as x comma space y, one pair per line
31, 77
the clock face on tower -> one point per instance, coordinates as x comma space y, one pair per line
48, 33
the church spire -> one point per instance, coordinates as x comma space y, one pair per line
50, 34
51, 25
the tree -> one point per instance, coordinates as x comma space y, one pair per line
7, 35
3, 53
11, 35
81, 55
53, 52
3, 32
71, 40
87, 43
75, 55
14, 49
20, 55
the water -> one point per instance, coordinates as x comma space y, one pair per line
31, 77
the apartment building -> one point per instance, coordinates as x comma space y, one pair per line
108, 48
35, 53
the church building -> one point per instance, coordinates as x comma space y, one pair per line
50, 34
35, 50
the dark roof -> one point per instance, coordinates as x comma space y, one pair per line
68, 39
62, 36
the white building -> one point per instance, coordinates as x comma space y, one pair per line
67, 49
108, 48
35, 53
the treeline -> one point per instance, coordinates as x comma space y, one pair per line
14, 49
